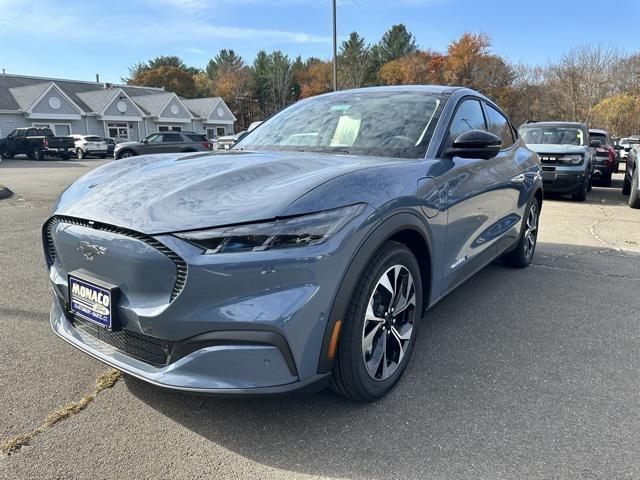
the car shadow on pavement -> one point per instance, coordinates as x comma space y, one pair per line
502, 381
27, 163
610, 195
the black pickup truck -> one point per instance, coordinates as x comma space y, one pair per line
36, 143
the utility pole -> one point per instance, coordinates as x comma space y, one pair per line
335, 50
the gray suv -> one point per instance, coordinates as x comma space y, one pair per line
306, 255
163, 142
566, 156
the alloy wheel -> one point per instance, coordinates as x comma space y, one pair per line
388, 323
531, 232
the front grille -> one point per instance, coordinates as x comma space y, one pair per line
146, 348
181, 265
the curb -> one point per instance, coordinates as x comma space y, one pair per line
5, 192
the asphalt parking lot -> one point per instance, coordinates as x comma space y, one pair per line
529, 373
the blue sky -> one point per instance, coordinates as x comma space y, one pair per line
77, 39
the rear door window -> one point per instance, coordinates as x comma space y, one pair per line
498, 125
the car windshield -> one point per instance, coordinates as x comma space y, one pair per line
552, 134
388, 124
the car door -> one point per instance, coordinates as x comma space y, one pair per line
474, 190
510, 167
19, 142
171, 142
151, 144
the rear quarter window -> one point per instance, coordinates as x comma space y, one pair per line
197, 138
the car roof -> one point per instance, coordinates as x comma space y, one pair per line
556, 122
437, 89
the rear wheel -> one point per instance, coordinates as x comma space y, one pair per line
125, 154
379, 330
36, 153
634, 195
522, 255
606, 179
66, 156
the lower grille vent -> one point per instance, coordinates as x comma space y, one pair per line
146, 348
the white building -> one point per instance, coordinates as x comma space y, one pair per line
108, 110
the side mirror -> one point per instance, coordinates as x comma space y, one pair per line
475, 144
595, 144
145, 141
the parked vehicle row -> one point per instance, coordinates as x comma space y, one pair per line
36, 143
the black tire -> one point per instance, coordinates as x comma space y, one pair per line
590, 184
66, 156
350, 376
581, 195
5, 154
634, 195
522, 255
36, 153
80, 154
626, 186
606, 180
126, 154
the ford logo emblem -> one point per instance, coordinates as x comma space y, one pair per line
90, 251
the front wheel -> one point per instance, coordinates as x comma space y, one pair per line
581, 196
80, 154
380, 326
522, 255
5, 154
125, 154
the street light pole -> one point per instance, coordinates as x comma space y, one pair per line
335, 50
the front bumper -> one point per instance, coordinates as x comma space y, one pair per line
232, 323
216, 369
564, 182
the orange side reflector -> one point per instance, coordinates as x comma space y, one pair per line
334, 340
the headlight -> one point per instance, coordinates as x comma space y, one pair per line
572, 159
299, 231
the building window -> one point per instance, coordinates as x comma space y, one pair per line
169, 128
220, 131
118, 130
58, 129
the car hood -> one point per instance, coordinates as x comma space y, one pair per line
128, 144
543, 148
173, 192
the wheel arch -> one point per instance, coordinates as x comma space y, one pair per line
405, 228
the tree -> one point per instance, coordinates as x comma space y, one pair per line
618, 114
462, 59
173, 79
315, 79
581, 79
225, 60
396, 43
203, 85
421, 67
354, 62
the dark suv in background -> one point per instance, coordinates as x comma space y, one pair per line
606, 160
566, 156
164, 142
